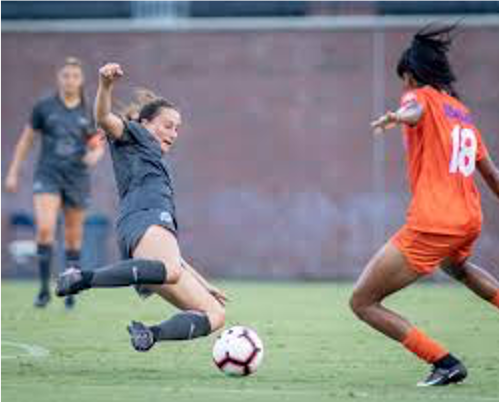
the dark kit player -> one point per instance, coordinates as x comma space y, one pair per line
443, 222
69, 146
147, 226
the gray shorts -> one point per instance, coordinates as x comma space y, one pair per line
75, 193
132, 227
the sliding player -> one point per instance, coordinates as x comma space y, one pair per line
69, 146
147, 225
444, 149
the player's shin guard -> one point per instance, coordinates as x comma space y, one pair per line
44, 252
183, 326
126, 273
423, 346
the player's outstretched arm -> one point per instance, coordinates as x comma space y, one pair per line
490, 173
105, 118
23, 146
410, 114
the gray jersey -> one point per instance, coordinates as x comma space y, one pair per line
64, 134
142, 175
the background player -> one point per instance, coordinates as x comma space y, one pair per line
69, 146
444, 217
147, 226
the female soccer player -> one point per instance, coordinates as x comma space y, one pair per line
147, 226
444, 217
70, 145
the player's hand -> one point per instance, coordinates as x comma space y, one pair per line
110, 73
11, 183
218, 294
385, 122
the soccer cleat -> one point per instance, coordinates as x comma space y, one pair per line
141, 336
70, 282
42, 299
445, 376
69, 302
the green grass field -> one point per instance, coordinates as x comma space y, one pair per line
315, 349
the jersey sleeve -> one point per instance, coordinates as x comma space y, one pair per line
126, 137
37, 116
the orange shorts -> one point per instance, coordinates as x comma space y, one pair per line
426, 251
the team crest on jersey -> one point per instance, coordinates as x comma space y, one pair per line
37, 186
83, 121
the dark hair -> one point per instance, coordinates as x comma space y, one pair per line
151, 109
75, 62
426, 59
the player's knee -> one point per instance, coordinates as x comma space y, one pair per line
45, 234
359, 305
173, 273
72, 243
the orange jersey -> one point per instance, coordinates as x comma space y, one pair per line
442, 151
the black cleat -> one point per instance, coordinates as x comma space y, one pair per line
141, 336
445, 376
42, 299
70, 282
69, 302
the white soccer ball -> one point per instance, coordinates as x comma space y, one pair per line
238, 351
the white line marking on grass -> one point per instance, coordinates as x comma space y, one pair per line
29, 350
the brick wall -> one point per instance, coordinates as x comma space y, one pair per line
275, 167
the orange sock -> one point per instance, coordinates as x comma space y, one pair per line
423, 346
495, 299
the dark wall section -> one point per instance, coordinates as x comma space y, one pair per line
275, 165
39, 10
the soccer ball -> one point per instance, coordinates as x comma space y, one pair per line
238, 351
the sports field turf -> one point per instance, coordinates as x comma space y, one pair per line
315, 349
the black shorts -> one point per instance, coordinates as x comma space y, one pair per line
75, 193
132, 227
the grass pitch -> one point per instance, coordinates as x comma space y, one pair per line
315, 349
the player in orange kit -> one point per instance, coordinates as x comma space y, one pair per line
444, 218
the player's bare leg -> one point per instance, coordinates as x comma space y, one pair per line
386, 273
479, 281
46, 209
73, 235
201, 314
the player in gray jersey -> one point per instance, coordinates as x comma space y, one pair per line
147, 225
69, 146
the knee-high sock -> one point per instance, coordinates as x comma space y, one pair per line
126, 273
44, 260
423, 346
495, 299
183, 326
73, 258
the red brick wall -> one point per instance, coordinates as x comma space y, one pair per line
274, 166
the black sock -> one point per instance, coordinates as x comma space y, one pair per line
73, 258
183, 326
126, 273
44, 260
446, 362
